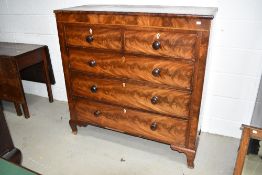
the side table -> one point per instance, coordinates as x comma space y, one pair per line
16, 58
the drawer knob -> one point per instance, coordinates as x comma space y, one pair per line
156, 45
156, 72
97, 113
153, 126
93, 89
92, 63
90, 38
154, 100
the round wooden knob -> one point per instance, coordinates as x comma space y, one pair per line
156, 45
97, 113
153, 126
90, 38
92, 63
156, 72
93, 89
154, 100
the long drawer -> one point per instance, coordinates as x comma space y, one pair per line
173, 73
160, 100
151, 126
90, 36
160, 42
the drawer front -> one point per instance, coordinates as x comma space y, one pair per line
152, 126
172, 73
93, 36
165, 101
161, 43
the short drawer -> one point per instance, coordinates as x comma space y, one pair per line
172, 73
161, 43
142, 124
99, 37
159, 100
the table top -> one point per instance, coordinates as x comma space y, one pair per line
16, 49
178, 10
8, 168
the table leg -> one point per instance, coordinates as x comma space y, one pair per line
46, 75
18, 109
26, 111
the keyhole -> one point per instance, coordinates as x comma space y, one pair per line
254, 132
198, 22
123, 59
157, 35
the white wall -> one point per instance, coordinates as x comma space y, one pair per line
257, 114
234, 64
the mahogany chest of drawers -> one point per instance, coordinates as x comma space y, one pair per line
136, 69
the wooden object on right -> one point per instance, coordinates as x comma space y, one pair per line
136, 69
248, 132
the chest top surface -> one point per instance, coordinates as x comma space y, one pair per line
204, 12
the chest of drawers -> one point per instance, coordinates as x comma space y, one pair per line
136, 69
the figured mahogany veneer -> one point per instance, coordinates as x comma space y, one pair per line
139, 71
168, 101
132, 121
173, 73
177, 44
103, 37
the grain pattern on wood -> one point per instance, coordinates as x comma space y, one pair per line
173, 44
186, 23
167, 130
65, 62
103, 37
169, 102
199, 74
172, 73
